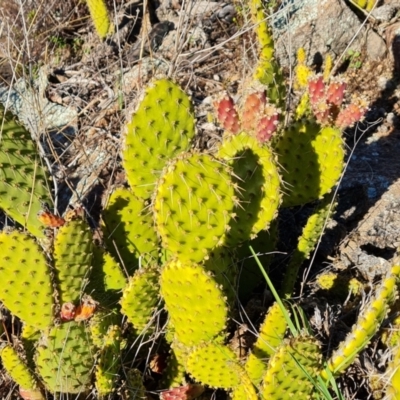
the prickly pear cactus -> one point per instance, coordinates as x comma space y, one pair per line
290, 369
140, 298
367, 324
27, 289
65, 358
73, 250
258, 186
195, 302
129, 229
312, 160
19, 372
24, 180
194, 205
162, 127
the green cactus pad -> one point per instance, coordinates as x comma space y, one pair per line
73, 249
193, 205
246, 389
257, 182
17, 368
162, 127
109, 361
140, 298
129, 228
272, 332
24, 180
26, 290
312, 160
106, 278
195, 302
30, 336
215, 365
65, 358
289, 370
367, 324
99, 324
134, 389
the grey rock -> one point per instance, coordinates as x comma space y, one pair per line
385, 13
376, 46
319, 26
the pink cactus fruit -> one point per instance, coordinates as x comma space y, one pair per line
267, 124
187, 392
227, 114
316, 89
351, 114
335, 92
252, 110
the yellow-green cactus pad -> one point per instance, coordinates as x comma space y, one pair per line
286, 377
24, 180
100, 323
141, 297
129, 228
246, 389
100, 18
25, 276
17, 368
65, 358
258, 181
271, 334
162, 127
393, 373
367, 324
312, 160
194, 301
193, 205
109, 361
215, 365
73, 250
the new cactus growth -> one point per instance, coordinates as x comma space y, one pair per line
100, 18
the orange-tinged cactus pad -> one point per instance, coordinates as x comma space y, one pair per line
194, 301
25, 276
193, 205
227, 114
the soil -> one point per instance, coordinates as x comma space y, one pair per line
103, 80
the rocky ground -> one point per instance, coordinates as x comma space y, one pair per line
75, 92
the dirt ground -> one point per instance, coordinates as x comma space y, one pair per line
54, 49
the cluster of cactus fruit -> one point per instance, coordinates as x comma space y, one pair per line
171, 242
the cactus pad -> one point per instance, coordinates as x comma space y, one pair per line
65, 358
17, 368
26, 290
24, 181
215, 365
193, 205
312, 160
162, 127
141, 296
73, 248
195, 302
257, 181
129, 228
286, 377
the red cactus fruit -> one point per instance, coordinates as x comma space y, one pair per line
351, 114
335, 93
187, 392
268, 124
227, 114
67, 312
316, 89
253, 108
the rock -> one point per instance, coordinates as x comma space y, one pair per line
385, 13
376, 46
320, 27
